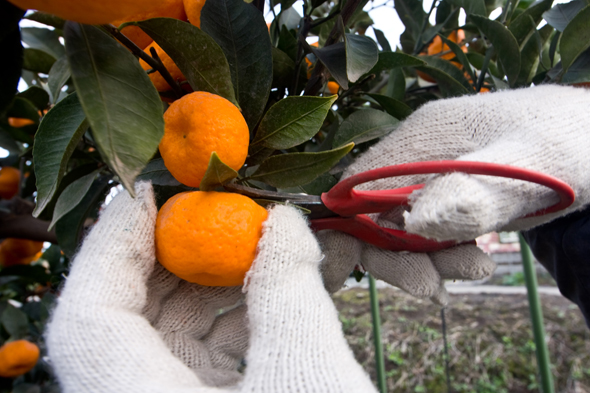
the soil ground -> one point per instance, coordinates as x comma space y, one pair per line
490, 342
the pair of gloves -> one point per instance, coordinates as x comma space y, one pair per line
123, 323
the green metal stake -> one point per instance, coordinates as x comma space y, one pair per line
379, 361
542, 351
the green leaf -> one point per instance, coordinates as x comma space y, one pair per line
43, 39
282, 68
562, 14
157, 173
383, 43
11, 70
21, 107
292, 121
72, 196
8, 143
579, 71
322, 184
121, 104
294, 169
361, 55
27, 388
217, 174
29, 273
395, 108
390, 60
15, 322
460, 56
575, 38
531, 55
412, 16
505, 45
524, 24
47, 19
334, 58
70, 228
364, 125
241, 32
197, 55
59, 132
58, 76
471, 7
36, 96
396, 85
288, 43
37, 61
477, 60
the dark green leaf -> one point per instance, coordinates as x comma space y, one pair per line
292, 121
471, 7
477, 60
241, 32
396, 85
43, 39
120, 102
55, 141
334, 58
53, 256
395, 108
282, 68
358, 275
72, 196
70, 228
383, 43
257, 154
294, 169
15, 322
10, 70
36, 96
389, 60
412, 16
448, 85
505, 45
531, 55
361, 55
37, 61
158, 174
29, 273
289, 18
59, 74
460, 56
579, 71
364, 125
197, 55
21, 107
562, 14
320, 185
288, 43
575, 38
217, 174
8, 143
47, 19
527, 22
27, 388
448, 68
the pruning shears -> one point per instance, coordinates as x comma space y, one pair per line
345, 209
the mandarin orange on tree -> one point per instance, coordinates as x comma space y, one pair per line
209, 238
15, 251
193, 11
9, 182
197, 125
17, 358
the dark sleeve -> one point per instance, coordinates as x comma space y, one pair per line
563, 248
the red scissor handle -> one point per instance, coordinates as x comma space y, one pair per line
344, 200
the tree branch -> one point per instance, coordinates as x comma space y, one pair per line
16, 221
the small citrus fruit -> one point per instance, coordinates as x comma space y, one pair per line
19, 251
209, 238
166, 9
18, 122
193, 11
17, 358
333, 87
156, 78
9, 182
197, 125
89, 12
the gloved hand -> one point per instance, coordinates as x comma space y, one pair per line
541, 128
124, 324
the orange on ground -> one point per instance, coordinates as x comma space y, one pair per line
18, 122
197, 125
166, 9
156, 78
15, 251
9, 182
333, 87
17, 358
193, 11
209, 238
89, 12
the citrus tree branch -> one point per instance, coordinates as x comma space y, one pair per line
16, 221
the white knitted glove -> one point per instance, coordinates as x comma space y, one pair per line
124, 324
541, 128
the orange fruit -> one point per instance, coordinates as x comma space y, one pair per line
15, 251
193, 11
197, 125
9, 182
89, 12
209, 238
17, 358
333, 87
166, 9
18, 122
156, 78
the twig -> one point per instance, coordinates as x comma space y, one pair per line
16, 221
418, 45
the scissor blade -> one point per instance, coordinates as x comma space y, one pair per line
312, 203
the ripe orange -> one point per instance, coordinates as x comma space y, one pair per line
197, 125
90, 12
156, 78
18, 122
193, 11
166, 9
209, 238
333, 87
17, 358
9, 182
19, 251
